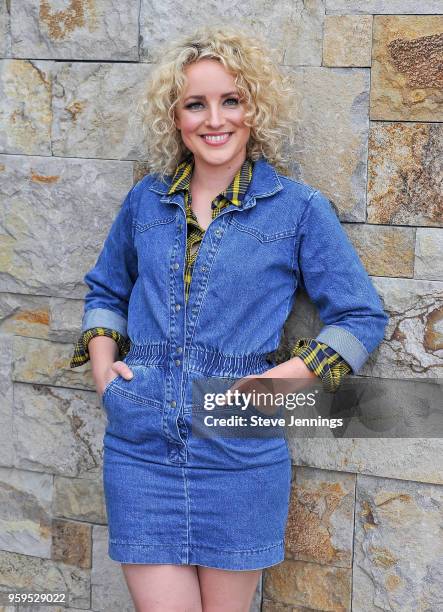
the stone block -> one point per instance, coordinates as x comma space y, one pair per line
97, 110
71, 543
25, 512
407, 75
66, 436
389, 7
398, 559
405, 174
78, 29
320, 521
79, 499
429, 254
331, 135
413, 343
7, 456
30, 574
419, 459
54, 218
293, 29
347, 40
384, 251
25, 107
308, 585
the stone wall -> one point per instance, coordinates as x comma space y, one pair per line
365, 515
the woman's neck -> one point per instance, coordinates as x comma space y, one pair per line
210, 179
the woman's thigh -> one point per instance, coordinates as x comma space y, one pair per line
226, 590
163, 587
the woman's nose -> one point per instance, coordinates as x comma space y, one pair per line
215, 117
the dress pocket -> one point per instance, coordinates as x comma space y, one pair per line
133, 407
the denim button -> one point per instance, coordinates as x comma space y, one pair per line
173, 404
177, 362
218, 232
203, 268
176, 266
177, 307
179, 349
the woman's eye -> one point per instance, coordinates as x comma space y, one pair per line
192, 104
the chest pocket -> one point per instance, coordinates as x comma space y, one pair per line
262, 236
153, 239
143, 226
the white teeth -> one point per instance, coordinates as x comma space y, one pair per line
217, 138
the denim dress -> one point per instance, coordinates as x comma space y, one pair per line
222, 502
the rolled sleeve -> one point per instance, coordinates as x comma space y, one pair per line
113, 276
331, 272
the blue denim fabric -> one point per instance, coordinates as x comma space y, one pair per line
187, 494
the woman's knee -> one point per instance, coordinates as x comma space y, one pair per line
163, 587
226, 590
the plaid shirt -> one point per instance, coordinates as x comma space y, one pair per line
318, 357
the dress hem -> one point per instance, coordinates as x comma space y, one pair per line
236, 560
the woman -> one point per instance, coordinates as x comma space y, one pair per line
194, 520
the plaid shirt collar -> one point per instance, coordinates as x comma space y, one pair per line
234, 193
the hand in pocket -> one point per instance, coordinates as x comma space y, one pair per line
116, 368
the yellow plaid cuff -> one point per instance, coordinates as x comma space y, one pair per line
81, 353
323, 361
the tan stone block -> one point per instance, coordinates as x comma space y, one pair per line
320, 521
79, 499
407, 75
398, 559
347, 40
31, 574
71, 543
405, 174
385, 251
321, 587
25, 107
429, 254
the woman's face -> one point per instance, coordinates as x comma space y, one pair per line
210, 105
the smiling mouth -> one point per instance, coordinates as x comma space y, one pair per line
220, 139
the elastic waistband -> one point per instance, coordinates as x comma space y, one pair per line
205, 360
156, 353
215, 363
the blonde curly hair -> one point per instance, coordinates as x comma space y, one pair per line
267, 94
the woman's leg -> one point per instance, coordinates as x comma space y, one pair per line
163, 587
226, 590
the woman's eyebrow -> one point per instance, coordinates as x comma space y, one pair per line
230, 93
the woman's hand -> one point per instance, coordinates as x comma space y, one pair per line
117, 367
287, 377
